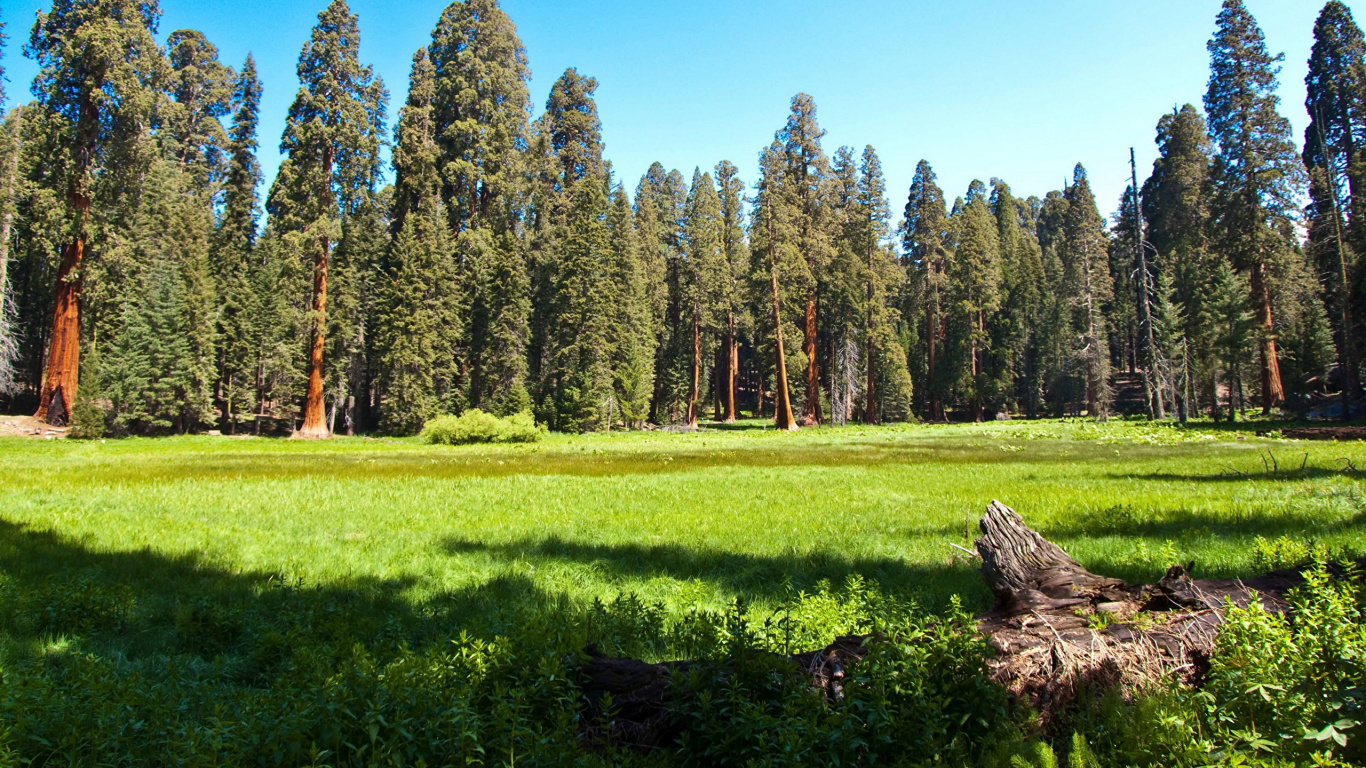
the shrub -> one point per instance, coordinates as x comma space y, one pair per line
476, 426
87, 417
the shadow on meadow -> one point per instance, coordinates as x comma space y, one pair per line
768, 578
1285, 472
145, 605
141, 604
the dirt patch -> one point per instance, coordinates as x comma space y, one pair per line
27, 426
1325, 433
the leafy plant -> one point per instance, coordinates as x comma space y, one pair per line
476, 426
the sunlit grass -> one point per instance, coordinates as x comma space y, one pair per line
679, 518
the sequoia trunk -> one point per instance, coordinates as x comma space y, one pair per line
732, 363
62, 375
782, 405
1273, 392
695, 384
315, 411
811, 409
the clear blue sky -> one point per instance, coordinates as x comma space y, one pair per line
998, 88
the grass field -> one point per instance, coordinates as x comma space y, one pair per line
216, 601
681, 519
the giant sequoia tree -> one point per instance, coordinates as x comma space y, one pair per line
332, 148
99, 69
804, 189
1257, 172
506, 268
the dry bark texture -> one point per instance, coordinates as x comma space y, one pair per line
1058, 632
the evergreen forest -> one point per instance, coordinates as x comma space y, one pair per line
152, 286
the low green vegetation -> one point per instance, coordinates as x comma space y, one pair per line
205, 600
475, 426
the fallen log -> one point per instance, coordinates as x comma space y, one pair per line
1057, 630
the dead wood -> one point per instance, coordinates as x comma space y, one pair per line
1057, 631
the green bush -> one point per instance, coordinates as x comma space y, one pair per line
87, 417
1280, 691
476, 426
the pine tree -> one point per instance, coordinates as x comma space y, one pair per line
419, 324
332, 146
580, 382
1176, 202
1233, 332
842, 290
481, 109
574, 295
566, 153
233, 244
1057, 348
99, 68
633, 335
730, 283
160, 372
660, 199
1257, 172
1014, 329
887, 380
1336, 102
975, 288
201, 91
928, 257
704, 303
1089, 287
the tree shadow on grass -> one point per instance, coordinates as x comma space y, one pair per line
752, 577
1278, 471
145, 604
1183, 524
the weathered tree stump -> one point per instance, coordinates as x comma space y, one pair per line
1058, 631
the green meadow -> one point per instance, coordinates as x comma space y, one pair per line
682, 519
220, 601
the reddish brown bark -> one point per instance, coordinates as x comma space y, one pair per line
811, 409
782, 405
695, 385
62, 374
732, 362
315, 421
1273, 392
936, 405
61, 377
64, 349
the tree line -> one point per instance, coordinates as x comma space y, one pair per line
507, 268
